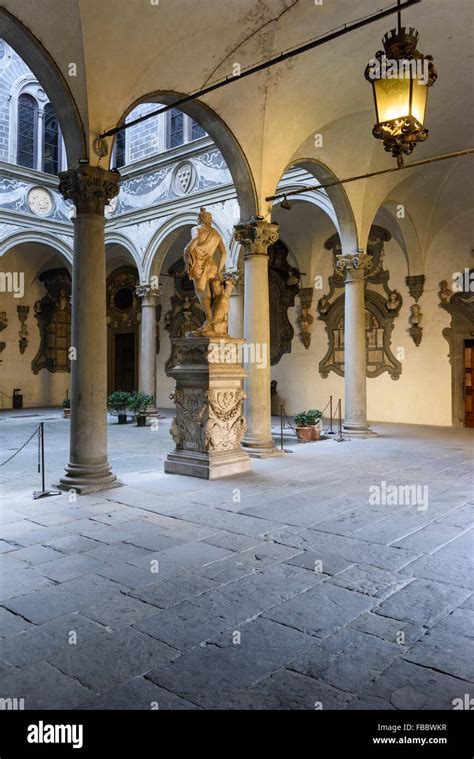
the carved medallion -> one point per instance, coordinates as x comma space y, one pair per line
184, 178
40, 201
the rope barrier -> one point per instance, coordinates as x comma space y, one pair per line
43, 493
36, 432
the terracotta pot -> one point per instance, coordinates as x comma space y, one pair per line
67, 413
141, 421
304, 434
315, 432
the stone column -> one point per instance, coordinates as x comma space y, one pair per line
90, 188
147, 374
355, 266
255, 236
236, 311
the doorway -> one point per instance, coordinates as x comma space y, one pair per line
468, 389
124, 363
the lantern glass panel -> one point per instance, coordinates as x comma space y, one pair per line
393, 98
418, 106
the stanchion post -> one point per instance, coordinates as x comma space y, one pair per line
43, 493
340, 437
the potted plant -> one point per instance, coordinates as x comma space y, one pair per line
139, 403
67, 408
303, 427
308, 425
118, 403
314, 417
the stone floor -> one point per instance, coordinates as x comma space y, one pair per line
290, 587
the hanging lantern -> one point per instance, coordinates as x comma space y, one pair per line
400, 76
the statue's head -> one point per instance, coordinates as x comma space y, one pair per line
205, 217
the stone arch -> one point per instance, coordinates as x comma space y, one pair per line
344, 215
223, 138
41, 237
163, 239
36, 57
118, 238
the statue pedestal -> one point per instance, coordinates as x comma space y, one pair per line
209, 425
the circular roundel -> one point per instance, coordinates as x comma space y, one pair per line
123, 299
40, 201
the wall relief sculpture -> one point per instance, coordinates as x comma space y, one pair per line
53, 314
123, 305
283, 282
382, 306
23, 312
460, 306
305, 317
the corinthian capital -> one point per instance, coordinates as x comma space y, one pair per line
256, 235
148, 294
89, 187
354, 265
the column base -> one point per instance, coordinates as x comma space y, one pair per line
207, 466
85, 479
359, 432
263, 453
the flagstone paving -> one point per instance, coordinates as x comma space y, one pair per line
286, 588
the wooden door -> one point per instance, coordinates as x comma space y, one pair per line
468, 383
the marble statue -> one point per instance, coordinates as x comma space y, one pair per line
212, 285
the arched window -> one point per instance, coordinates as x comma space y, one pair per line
27, 131
120, 149
51, 141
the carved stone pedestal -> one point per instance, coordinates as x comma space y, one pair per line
209, 424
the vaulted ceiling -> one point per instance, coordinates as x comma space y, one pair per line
128, 50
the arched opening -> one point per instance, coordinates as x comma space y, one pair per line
36, 57
195, 121
35, 322
123, 311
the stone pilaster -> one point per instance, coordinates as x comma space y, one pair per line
355, 267
255, 237
149, 297
90, 188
